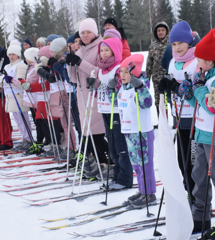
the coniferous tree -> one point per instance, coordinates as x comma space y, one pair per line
118, 12
2, 37
135, 24
38, 21
24, 27
205, 20
164, 12
196, 21
107, 10
185, 10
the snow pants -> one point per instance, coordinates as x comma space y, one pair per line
7, 128
21, 125
123, 173
133, 143
200, 176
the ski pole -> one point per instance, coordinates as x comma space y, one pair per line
49, 112
2, 95
82, 137
91, 90
110, 144
209, 177
92, 140
64, 110
166, 104
24, 120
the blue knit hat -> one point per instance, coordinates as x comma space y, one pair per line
51, 37
181, 32
71, 39
27, 41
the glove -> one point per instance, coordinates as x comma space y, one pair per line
8, 79
113, 83
25, 86
38, 66
172, 84
44, 60
50, 77
58, 68
73, 59
162, 85
211, 97
21, 80
135, 82
199, 81
186, 89
51, 61
93, 82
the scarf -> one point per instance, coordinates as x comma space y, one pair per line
189, 55
106, 63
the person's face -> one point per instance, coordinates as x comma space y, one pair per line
13, 57
205, 65
48, 43
161, 32
70, 45
180, 48
28, 62
125, 75
39, 46
109, 26
26, 45
77, 43
105, 52
87, 37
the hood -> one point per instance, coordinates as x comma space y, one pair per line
116, 46
160, 24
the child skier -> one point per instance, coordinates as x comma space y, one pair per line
129, 126
110, 52
200, 91
181, 39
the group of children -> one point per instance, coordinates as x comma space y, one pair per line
116, 76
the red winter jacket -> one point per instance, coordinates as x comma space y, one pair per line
37, 87
126, 49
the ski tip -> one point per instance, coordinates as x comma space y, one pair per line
55, 228
54, 220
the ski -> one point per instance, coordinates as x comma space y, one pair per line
123, 230
37, 186
115, 213
33, 174
124, 204
33, 183
24, 159
29, 164
68, 197
49, 189
125, 226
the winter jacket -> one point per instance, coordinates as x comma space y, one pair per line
199, 95
20, 72
5, 62
37, 87
156, 51
167, 57
89, 56
126, 49
32, 78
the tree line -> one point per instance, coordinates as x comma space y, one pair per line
137, 17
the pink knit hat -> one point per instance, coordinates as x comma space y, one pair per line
137, 59
88, 24
112, 33
44, 51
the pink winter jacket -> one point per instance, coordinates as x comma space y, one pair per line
89, 56
31, 78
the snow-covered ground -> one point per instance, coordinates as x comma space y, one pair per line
19, 221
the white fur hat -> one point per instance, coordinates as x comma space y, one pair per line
14, 48
31, 53
58, 44
88, 24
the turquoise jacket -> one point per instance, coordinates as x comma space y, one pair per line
199, 95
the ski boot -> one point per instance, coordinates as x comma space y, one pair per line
105, 172
34, 149
141, 201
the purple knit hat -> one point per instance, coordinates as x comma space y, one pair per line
112, 33
103, 44
181, 32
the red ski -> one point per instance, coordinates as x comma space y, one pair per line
24, 159
29, 164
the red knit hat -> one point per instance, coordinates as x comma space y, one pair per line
137, 59
205, 49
